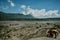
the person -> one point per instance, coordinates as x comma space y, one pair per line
52, 33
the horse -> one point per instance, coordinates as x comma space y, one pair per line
53, 32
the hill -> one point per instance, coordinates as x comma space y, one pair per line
14, 16
18, 17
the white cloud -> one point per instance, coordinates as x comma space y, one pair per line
5, 7
11, 2
42, 13
52, 13
23, 6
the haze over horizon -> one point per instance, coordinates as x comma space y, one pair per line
37, 8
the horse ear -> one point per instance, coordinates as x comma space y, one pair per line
47, 31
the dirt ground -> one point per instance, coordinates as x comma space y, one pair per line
27, 30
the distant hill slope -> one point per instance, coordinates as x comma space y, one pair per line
17, 16
12, 16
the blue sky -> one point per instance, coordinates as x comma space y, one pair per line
38, 4
14, 6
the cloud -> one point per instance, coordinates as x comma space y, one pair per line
6, 7
23, 6
3, 6
52, 13
11, 2
42, 13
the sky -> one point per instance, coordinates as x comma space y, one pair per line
37, 8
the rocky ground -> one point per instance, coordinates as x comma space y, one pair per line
27, 30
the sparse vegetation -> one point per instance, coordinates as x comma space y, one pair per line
26, 31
